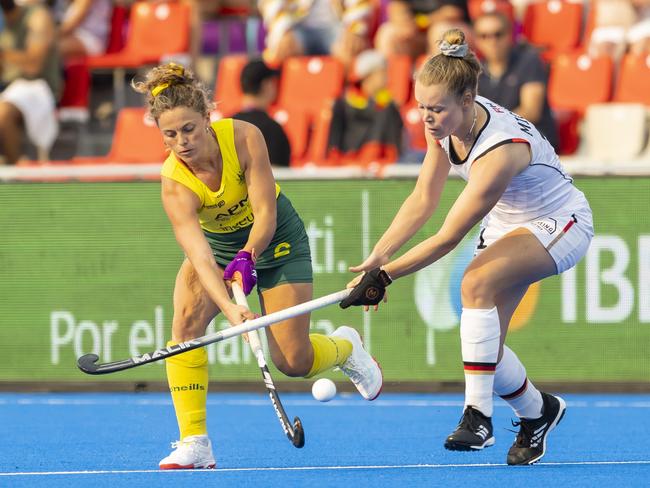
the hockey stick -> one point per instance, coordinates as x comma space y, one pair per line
294, 432
88, 362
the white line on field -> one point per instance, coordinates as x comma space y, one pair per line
321, 468
263, 401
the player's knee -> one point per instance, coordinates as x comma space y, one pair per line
7, 118
292, 365
476, 288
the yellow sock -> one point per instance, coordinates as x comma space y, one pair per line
187, 375
328, 352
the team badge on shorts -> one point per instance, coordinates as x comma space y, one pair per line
549, 225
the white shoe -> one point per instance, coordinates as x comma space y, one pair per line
193, 452
360, 367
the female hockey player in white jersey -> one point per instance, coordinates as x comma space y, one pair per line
535, 224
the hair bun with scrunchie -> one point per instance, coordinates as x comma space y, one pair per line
453, 50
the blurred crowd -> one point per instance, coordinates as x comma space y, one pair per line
50, 52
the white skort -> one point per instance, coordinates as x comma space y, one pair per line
566, 234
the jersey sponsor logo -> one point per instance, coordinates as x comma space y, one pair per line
549, 225
233, 210
190, 387
218, 205
245, 222
282, 249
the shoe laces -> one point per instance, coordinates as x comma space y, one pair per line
470, 419
182, 443
352, 370
525, 434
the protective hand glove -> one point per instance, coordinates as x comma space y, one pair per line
243, 264
370, 290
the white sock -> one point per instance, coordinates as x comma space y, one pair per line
511, 384
479, 335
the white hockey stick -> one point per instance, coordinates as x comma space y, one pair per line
88, 362
294, 431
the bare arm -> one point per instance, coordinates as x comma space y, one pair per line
531, 101
418, 207
261, 187
39, 40
75, 14
181, 206
490, 176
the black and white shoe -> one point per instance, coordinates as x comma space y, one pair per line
530, 443
474, 432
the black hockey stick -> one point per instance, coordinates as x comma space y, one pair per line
294, 431
88, 362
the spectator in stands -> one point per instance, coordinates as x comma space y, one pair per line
259, 84
30, 79
409, 22
513, 73
322, 27
619, 24
366, 124
83, 26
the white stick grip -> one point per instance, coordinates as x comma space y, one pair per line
253, 336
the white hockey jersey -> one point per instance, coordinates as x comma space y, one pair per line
541, 189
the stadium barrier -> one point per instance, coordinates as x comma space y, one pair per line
89, 266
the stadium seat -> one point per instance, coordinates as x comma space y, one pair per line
317, 153
616, 131
479, 7
227, 89
136, 140
74, 103
156, 30
554, 25
634, 80
577, 80
400, 76
296, 125
309, 81
414, 128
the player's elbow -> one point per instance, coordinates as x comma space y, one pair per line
447, 241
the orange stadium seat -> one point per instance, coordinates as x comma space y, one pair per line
400, 74
634, 79
577, 80
155, 30
480, 7
317, 153
296, 125
227, 89
555, 25
308, 81
136, 140
414, 127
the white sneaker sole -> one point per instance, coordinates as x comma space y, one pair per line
189, 466
381, 372
556, 420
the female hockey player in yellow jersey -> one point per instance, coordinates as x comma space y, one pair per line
230, 216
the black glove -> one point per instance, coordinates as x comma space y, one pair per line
370, 290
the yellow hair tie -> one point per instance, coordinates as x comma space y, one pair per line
157, 89
177, 69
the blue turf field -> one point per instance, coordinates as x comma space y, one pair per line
114, 440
